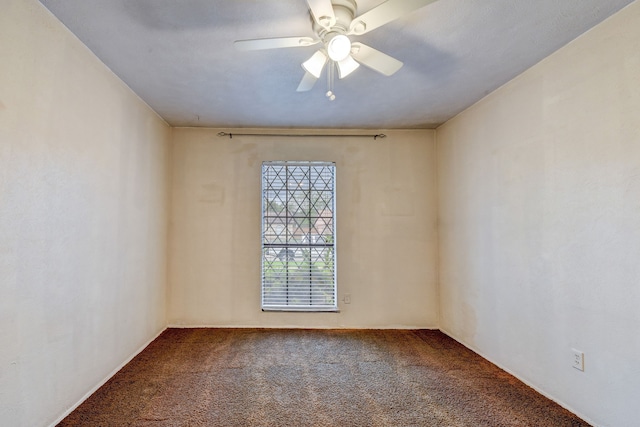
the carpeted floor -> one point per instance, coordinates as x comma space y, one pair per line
265, 377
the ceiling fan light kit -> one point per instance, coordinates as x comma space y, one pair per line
339, 47
315, 64
333, 21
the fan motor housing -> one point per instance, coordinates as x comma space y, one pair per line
345, 11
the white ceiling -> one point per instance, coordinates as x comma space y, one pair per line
179, 57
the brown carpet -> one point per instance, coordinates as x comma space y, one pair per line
265, 377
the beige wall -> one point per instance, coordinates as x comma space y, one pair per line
386, 241
83, 184
539, 188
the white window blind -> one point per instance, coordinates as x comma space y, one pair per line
298, 236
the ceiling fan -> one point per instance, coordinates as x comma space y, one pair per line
333, 22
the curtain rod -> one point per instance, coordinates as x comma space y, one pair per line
374, 136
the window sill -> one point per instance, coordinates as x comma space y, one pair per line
301, 310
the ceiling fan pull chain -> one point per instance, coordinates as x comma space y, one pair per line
330, 71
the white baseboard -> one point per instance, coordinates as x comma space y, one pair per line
533, 386
108, 377
401, 327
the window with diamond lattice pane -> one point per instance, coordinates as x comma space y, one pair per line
298, 236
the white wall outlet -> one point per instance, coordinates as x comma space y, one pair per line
347, 298
578, 359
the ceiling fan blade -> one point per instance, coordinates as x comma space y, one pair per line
274, 43
322, 12
374, 59
307, 82
347, 66
385, 13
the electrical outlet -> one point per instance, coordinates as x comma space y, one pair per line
578, 359
347, 298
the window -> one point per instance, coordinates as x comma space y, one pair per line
298, 236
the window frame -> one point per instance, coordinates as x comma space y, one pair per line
322, 289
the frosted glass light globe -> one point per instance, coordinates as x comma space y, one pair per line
339, 47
